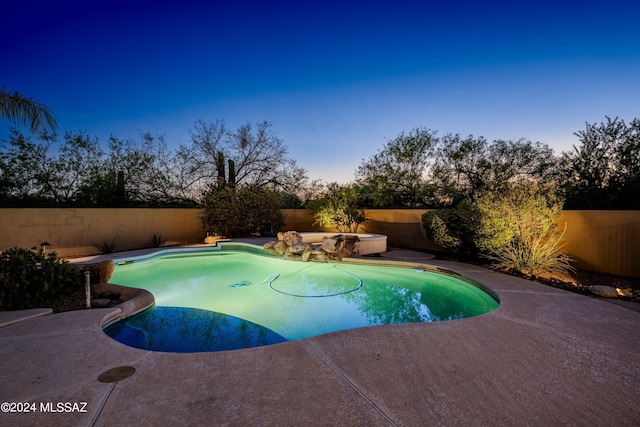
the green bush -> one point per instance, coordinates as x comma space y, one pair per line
513, 226
339, 208
242, 211
31, 279
442, 226
536, 256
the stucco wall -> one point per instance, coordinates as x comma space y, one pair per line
604, 241
73, 231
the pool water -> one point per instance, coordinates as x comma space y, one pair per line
234, 299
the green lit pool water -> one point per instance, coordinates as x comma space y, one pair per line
235, 299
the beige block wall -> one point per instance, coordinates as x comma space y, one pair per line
72, 232
603, 241
403, 227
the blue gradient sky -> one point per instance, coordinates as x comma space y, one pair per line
336, 79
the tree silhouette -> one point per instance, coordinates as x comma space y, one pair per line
19, 110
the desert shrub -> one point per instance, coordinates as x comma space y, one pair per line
242, 211
30, 279
156, 241
106, 245
443, 228
535, 256
339, 208
513, 226
523, 210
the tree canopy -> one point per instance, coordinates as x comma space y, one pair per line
603, 172
42, 170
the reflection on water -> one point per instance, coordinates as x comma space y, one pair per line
267, 300
189, 330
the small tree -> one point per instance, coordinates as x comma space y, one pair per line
397, 175
242, 211
339, 208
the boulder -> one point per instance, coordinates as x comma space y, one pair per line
280, 247
291, 238
100, 272
351, 246
296, 249
291, 257
319, 257
306, 254
211, 240
329, 244
269, 245
604, 291
627, 293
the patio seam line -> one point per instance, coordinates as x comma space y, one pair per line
105, 399
347, 381
96, 415
559, 332
77, 385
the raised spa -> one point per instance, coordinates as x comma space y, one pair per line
230, 299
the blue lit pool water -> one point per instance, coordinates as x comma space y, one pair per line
234, 299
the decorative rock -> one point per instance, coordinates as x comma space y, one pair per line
292, 257
100, 302
604, 291
291, 238
100, 271
296, 249
306, 254
210, 240
269, 245
623, 292
351, 246
319, 257
329, 244
280, 247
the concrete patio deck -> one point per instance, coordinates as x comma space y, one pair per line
545, 357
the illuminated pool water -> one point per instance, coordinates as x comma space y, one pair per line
235, 299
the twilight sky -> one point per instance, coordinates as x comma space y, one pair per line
335, 79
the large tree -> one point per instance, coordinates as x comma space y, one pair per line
19, 110
397, 175
604, 171
258, 157
465, 166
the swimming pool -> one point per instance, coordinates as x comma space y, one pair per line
232, 299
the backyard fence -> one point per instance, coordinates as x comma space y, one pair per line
602, 241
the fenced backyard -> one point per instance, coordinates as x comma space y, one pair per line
600, 241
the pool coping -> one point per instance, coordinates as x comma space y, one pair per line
140, 299
544, 357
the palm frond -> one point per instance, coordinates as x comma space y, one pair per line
27, 112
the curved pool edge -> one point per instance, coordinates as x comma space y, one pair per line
142, 299
136, 301
427, 267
